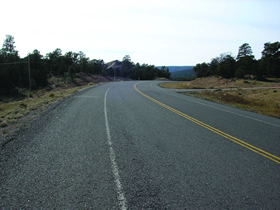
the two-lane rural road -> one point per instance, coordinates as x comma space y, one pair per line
134, 145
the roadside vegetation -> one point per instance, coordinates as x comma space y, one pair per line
262, 101
262, 97
184, 78
226, 72
29, 84
34, 70
219, 82
55, 76
17, 110
244, 64
12, 109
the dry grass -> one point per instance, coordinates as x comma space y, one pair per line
218, 82
19, 110
262, 101
12, 109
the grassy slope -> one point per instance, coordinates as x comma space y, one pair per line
18, 110
265, 101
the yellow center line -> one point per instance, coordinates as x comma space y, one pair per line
225, 135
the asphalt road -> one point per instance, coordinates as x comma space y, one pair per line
127, 146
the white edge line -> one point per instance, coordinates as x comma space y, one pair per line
223, 110
120, 194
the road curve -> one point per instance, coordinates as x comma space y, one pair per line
134, 145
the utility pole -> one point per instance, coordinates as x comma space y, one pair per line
29, 73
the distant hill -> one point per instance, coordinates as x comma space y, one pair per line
177, 68
183, 73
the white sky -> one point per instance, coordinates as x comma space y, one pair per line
158, 32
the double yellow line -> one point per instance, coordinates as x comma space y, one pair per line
227, 136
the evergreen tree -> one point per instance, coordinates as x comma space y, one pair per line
244, 50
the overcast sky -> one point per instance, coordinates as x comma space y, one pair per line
158, 32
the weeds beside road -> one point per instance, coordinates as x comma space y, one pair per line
262, 101
262, 98
17, 112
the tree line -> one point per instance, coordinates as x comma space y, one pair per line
244, 64
14, 71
